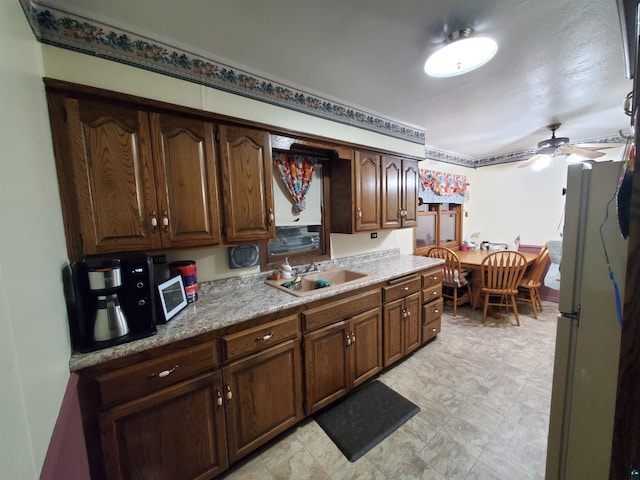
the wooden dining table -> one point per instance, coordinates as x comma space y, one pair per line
472, 259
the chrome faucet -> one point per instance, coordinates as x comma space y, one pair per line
312, 267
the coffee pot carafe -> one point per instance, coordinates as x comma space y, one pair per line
105, 282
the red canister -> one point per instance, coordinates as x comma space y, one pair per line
187, 270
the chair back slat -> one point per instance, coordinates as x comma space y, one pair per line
503, 270
451, 270
539, 266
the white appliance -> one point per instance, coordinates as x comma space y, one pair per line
588, 332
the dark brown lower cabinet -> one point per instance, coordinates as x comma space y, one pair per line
402, 327
263, 397
175, 433
341, 356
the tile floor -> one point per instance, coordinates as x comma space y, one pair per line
484, 392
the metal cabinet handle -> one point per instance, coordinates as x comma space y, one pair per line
348, 339
271, 217
229, 394
218, 398
154, 221
408, 312
359, 213
434, 330
436, 311
405, 289
353, 338
265, 338
164, 373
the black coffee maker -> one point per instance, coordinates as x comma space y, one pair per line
110, 301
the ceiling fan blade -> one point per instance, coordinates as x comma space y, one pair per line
599, 145
531, 160
583, 152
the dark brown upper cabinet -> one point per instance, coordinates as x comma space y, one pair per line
399, 192
137, 180
355, 193
247, 194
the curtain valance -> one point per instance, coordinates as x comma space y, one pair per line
296, 171
442, 187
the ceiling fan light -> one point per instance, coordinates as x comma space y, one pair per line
463, 53
541, 163
575, 158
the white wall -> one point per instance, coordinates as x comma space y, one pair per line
506, 201
213, 263
34, 339
518, 201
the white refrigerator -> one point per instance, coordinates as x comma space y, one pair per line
588, 332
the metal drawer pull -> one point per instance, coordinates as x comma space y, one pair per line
405, 288
219, 398
265, 338
229, 394
436, 310
434, 330
164, 373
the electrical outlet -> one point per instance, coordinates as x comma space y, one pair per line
374, 235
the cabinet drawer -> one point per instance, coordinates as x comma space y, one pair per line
401, 287
151, 375
431, 329
260, 337
432, 278
431, 293
432, 311
340, 309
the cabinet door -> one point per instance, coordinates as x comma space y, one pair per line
186, 180
176, 433
392, 176
410, 177
265, 393
366, 346
247, 172
412, 322
113, 176
393, 314
367, 178
326, 366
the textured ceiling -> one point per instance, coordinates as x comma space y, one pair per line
557, 60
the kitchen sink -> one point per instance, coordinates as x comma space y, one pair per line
310, 283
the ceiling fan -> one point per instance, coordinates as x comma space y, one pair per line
560, 146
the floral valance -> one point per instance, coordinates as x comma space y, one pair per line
442, 187
296, 171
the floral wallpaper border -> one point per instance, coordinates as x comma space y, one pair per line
65, 30
62, 29
456, 159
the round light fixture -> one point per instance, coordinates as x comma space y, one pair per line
463, 53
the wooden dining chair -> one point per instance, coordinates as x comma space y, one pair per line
501, 273
529, 287
454, 276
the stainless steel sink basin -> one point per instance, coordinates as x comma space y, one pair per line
311, 282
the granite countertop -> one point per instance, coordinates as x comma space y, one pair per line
231, 301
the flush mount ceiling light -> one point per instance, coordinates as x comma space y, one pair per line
463, 53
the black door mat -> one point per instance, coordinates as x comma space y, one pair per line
360, 421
